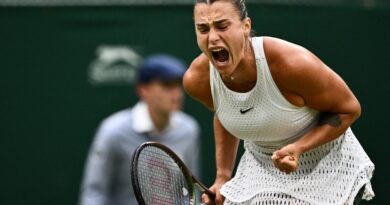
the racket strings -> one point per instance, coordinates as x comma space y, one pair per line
160, 179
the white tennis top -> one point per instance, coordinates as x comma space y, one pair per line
261, 115
332, 173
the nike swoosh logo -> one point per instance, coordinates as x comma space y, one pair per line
243, 111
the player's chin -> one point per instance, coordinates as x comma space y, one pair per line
176, 107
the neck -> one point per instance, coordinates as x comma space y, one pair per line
160, 119
244, 77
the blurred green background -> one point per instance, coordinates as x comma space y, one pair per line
49, 107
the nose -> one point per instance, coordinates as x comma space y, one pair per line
213, 36
177, 98
177, 92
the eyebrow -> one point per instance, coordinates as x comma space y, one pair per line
214, 22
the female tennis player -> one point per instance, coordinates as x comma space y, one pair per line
292, 111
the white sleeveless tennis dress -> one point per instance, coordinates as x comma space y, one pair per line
332, 173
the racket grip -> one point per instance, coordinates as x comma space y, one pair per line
210, 194
205, 190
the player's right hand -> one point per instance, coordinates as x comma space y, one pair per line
218, 197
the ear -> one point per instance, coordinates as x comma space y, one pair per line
247, 26
141, 91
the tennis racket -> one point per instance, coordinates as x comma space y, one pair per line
159, 177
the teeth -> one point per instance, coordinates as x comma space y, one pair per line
217, 49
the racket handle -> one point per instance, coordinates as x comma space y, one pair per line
212, 198
205, 190
209, 193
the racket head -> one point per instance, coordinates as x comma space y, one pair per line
159, 176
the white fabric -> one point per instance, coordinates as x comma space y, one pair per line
144, 123
272, 120
332, 173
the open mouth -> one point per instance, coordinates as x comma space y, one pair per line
220, 55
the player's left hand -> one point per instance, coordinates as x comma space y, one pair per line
286, 159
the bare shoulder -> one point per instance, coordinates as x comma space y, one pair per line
296, 71
196, 81
305, 80
286, 54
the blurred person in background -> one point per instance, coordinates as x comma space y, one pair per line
156, 117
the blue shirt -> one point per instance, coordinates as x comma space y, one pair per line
107, 179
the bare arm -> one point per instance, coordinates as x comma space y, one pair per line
323, 90
197, 84
226, 146
306, 81
196, 81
